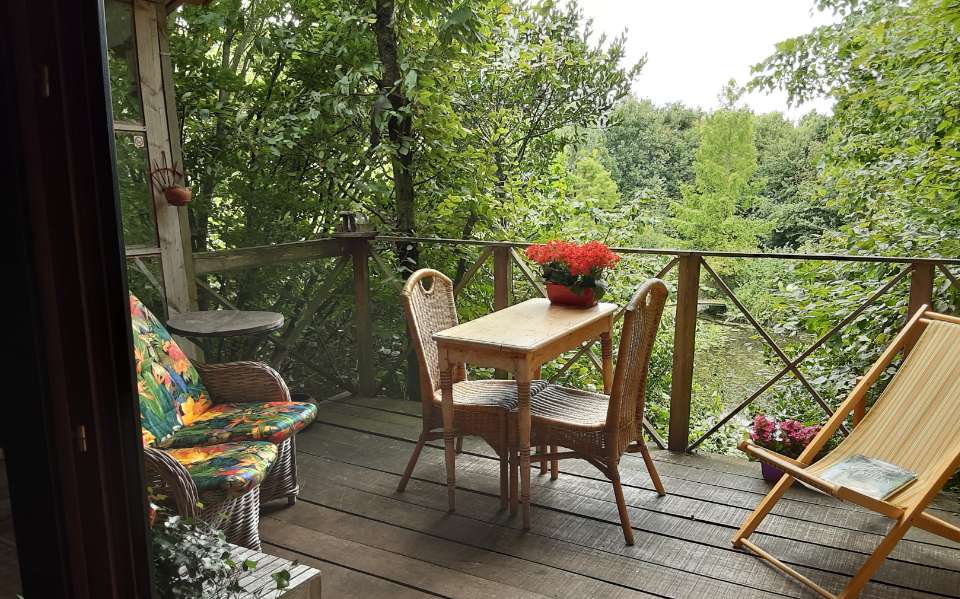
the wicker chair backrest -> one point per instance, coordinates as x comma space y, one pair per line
640, 323
429, 309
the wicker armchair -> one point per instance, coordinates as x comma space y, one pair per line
255, 382
480, 408
598, 428
234, 511
218, 433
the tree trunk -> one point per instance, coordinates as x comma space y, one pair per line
399, 130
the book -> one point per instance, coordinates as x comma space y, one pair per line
870, 476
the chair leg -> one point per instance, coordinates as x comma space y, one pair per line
459, 447
876, 558
504, 464
621, 506
554, 464
411, 463
652, 469
514, 482
542, 449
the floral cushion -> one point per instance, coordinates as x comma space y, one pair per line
231, 468
273, 421
170, 390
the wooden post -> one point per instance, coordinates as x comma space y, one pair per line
172, 259
358, 245
502, 285
921, 292
684, 344
502, 278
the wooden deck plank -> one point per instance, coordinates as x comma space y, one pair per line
707, 468
370, 545
483, 538
378, 452
340, 582
825, 523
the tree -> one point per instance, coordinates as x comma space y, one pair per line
787, 170
651, 147
713, 212
891, 162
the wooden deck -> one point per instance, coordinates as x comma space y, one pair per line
370, 541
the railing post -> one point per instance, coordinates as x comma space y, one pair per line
358, 246
502, 284
502, 277
684, 344
921, 291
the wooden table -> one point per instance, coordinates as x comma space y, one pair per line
258, 583
224, 323
518, 339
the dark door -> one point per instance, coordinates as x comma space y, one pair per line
69, 432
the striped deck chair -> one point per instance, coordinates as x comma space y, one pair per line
915, 424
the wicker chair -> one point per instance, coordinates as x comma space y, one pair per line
221, 432
237, 514
255, 382
480, 408
598, 428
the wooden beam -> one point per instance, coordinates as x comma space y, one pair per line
359, 248
921, 293
502, 286
502, 277
176, 154
173, 263
684, 344
298, 251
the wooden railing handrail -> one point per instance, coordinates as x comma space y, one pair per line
358, 249
690, 252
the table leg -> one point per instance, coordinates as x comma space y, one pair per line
449, 443
514, 482
606, 350
523, 441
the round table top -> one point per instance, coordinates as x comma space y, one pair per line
224, 323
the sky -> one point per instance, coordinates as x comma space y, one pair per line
694, 47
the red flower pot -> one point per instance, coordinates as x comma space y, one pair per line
562, 295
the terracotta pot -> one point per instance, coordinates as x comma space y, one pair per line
771, 474
564, 296
177, 195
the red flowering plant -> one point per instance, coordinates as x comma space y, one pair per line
786, 437
576, 266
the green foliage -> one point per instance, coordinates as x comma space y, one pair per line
651, 148
713, 213
192, 560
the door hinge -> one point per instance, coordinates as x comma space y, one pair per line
81, 437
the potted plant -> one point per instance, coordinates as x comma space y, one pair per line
573, 272
192, 559
786, 437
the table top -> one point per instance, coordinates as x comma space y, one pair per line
224, 323
524, 327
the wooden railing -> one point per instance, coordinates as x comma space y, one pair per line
363, 253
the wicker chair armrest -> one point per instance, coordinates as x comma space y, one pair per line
167, 477
243, 382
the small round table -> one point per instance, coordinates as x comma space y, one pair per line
224, 323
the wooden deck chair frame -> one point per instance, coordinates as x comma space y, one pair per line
905, 517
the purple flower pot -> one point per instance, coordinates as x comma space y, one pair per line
771, 474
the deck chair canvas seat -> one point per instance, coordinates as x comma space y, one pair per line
915, 424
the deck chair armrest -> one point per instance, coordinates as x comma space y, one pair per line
243, 382
792, 467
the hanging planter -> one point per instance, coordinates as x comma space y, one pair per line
166, 179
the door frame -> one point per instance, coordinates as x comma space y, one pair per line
72, 443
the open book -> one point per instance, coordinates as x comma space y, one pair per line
870, 476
